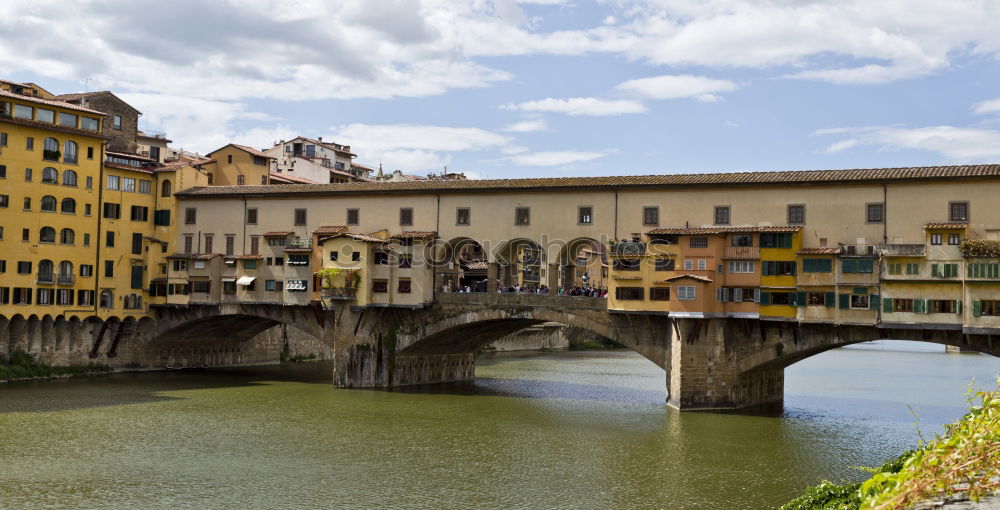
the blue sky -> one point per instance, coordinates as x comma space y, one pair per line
542, 87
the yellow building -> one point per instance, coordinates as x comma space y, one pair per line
779, 294
50, 168
238, 165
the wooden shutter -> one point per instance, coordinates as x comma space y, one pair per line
873, 302
887, 305
845, 301
137, 277
935, 270
977, 307
765, 298
831, 299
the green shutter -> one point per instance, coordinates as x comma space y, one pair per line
784, 240
808, 266
958, 306
860, 290
926, 306
831, 298
850, 265
766, 268
873, 302
935, 271
887, 305
845, 301
800, 298
865, 266
976, 307
765, 298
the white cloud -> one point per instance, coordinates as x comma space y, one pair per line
554, 158
527, 126
579, 106
678, 86
986, 107
960, 145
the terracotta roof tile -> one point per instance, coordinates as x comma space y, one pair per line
723, 230
946, 226
289, 179
818, 251
330, 229
413, 234
357, 237
120, 166
251, 150
278, 234
477, 265
688, 275
194, 256
870, 175
50, 102
249, 257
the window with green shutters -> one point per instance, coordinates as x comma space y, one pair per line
894, 269
913, 269
857, 265
770, 240
817, 265
982, 270
137, 277
777, 268
944, 270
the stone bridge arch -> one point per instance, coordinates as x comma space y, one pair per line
233, 322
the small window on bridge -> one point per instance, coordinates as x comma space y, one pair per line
659, 294
629, 293
380, 286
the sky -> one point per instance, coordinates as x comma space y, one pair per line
531, 88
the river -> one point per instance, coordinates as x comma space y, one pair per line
582, 429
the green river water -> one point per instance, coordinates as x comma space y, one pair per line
541, 430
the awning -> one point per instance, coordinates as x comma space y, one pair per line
228, 280
245, 280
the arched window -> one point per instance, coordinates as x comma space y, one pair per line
67, 236
45, 271
51, 150
47, 235
69, 178
65, 270
48, 203
69, 155
68, 206
133, 301
107, 299
50, 175
165, 189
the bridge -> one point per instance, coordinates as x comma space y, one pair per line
723, 363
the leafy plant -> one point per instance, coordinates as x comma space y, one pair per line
327, 275
827, 496
980, 248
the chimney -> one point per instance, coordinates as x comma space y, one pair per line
320, 138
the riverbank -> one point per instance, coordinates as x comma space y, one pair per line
956, 467
21, 366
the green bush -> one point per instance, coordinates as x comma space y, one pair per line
21, 365
827, 496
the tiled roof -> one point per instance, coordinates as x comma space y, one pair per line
290, 179
194, 256
130, 155
723, 230
243, 148
688, 275
120, 166
357, 237
49, 102
413, 234
477, 265
249, 257
330, 229
328, 145
818, 251
278, 234
946, 226
871, 175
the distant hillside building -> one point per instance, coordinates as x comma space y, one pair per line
316, 161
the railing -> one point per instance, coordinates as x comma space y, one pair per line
859, 250
743, 252
339, 293
67, 279
45, 278
299, 243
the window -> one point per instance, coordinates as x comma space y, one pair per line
90, 182
686, 293
300, 217
913, 269
936, 239
44, 297
380, 286
23, 111
29, 144
128, 184
954, 239
190, 215
985, 307
463, 216
86, 239
254, 245
25, 234
252, 216
742, 240
69, 178
90, 153
780, 298
140, 213
45, 115
116, 123
860, 301
67, 119
210, 178
165, 190
50, 176
249, 264
27, 175
958, 211
404, 286
355, 256
817, 265
24, 267
901, 305
772, 240
651, 216
208, 243
944, 270
109, 269
239, 180
201, 286
405, 216
702, 264
45, 271
659, 294
941, 306
67, 236
4, 201
3, 138
180, 265
48, 203
816, 298
47, 235
64, 297
112, 211
698, 242
86, 270
778, 268
626, 264
85, 298
88, 123
796, 214
742, 266
353, 216
722, 215
857, 266
334, 256
161, 218
629, 293
279, 261
3, 171
875, 213
188, 243
22, 296
112, 182
69, 154
276, 241
230, 243
522, 216
664, 264
405, 261
585, 215
260, 161
894, 269
688, 264
144, 186
381, 258
109, 239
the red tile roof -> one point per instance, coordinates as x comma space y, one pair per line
680, 181
130, 168
194, 256
413, 234
358, 237
278, 234
49, 102
691, 276
818, 251
723, 230
330, 229
946, 226
289, 179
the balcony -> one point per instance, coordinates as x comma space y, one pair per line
66, 279
339, 293
858, 250
742, 253
299, 243
46, 278
903, 250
